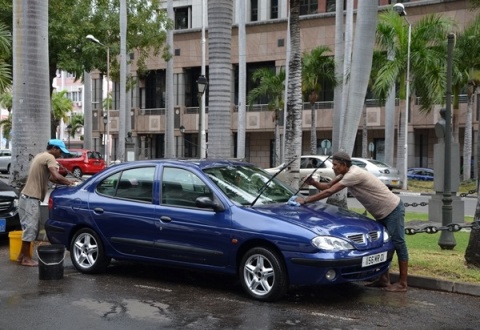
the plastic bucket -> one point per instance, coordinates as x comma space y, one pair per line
15, 243
50, 261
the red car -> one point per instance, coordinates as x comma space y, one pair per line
80, 162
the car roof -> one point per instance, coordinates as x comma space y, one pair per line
198, 163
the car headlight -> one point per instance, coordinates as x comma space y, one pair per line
386, 237
330, 243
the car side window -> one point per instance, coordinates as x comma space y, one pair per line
133, 184
181, 187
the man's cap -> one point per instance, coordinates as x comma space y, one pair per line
342, 156
59, 144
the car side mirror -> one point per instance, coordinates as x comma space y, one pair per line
205, 202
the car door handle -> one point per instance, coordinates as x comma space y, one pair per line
165, 219
98, 210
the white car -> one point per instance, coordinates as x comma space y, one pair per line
390, 176
5, 160
308, 164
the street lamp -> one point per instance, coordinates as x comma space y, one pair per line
106, 119
400, 9
202, 83
69, 132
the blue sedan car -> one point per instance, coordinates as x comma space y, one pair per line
223, 216
420, 173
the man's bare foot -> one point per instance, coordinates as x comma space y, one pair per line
29, 262
377, 284
396, 287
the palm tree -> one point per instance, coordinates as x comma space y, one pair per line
6, 103
272, 85
61, 107
427, 64
6, 125
5, 49
293, 126
31, 91
76, 122
220, 18
317, 70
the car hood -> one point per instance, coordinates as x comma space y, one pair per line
321, 218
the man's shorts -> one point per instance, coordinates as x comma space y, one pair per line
29, 213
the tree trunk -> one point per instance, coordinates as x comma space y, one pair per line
87, 110
338, 91
294, 100
220, 15
122, 111
31, 85
467, 141
313, 129
242, 85
360, 73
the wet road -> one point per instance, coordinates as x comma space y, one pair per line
139, 296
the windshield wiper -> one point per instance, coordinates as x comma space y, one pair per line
311, 174
265, 185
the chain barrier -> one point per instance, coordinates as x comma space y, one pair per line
452, 227
415, 204
470, 192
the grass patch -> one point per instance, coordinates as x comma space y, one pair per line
428, 259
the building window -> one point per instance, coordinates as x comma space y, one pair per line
308, 7
183, 18
254, 10
331, 5
273, 9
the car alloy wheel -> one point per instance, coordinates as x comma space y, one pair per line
263, 274
77, 172
86, 252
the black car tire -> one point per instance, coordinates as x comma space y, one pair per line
77, 172
263, 274
87, 253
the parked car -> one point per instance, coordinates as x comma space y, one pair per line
308, 163
5, 160
418, 173
9, 219
390, 176
209, 215
80, 162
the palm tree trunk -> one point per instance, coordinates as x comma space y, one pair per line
122, 113
169, 108
220, 16
294, 100
313, 130
360, 73
338, 91
87, 110
242, 84
467, 141
31, 91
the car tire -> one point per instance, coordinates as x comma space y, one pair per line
263, 274
87, 253
77, 172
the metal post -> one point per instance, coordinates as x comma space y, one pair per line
107, 143
447, 239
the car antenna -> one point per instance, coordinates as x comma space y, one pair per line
311, 174
261, 190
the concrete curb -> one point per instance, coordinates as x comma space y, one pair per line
429, 283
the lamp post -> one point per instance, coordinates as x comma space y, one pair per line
106, 119
69, 132
400, 9
105, 122
202, 83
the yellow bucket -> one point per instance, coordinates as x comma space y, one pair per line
16, 244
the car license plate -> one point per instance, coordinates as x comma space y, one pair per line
394, 181
3, 225
374, 259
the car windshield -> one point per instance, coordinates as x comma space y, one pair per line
242, 184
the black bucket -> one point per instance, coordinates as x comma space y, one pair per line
50, 265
